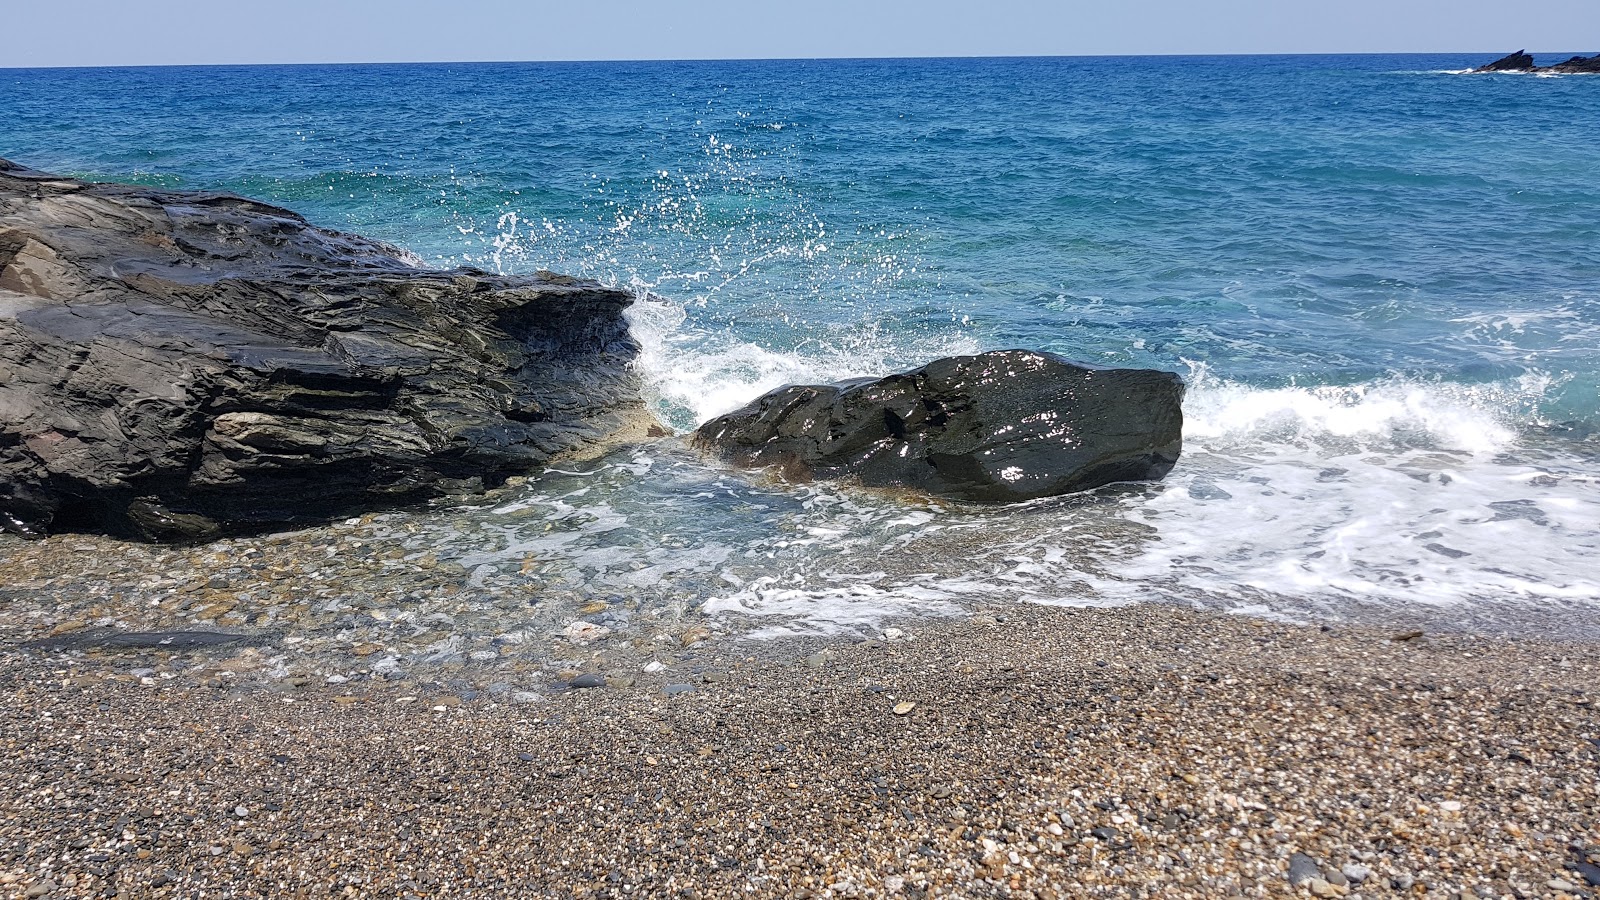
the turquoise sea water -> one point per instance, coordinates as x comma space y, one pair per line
1380, 276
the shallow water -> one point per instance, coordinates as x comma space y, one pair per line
1379, 277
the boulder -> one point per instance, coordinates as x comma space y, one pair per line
175, 365
1519, 61
997, 427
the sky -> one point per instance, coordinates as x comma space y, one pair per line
175, 32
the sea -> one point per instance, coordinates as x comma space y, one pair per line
1379, 276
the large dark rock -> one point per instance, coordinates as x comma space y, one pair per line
1519, 61
1578, 65
1000, 427
1522, 61
178, 364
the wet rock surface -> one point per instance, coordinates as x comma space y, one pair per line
1522, 61
996, 427
176, 365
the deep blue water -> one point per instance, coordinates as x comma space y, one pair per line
1382, 277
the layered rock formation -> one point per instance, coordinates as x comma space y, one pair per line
1522, 61
998, 427
176, 364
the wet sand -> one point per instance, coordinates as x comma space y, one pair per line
1143, 751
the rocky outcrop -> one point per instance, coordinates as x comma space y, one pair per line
174, 365
1577, 65
997, 427
1522, 61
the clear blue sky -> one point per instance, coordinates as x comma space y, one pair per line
157, 32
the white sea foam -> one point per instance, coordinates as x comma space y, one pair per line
692, 376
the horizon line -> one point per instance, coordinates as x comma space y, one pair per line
731, 59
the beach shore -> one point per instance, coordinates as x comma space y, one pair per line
1020, 752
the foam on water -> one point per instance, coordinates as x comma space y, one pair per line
692, 375
1393, 497
1297, 225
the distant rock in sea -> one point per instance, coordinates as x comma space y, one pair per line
1522, 61
175, 365
997, 427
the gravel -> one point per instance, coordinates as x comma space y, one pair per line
1143, 751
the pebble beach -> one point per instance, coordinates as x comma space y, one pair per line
1017, 752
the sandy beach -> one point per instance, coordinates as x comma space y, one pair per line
1022, 752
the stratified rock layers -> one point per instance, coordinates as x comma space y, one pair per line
998, 427
177, 364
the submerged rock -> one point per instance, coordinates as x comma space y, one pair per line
1001, 427
178, 364
1522, 61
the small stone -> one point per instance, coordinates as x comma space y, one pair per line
1450, 806
1335, 877
588, 680
893, 634
581, 633
694, 635
243, 849
1104, 833
675, 689
819, 659
42, 889
1589, 871
1560, 884
654, 666
241, 811
1302, 869
1406, 637
522, 698
904, 707
1321, 888
1356, 873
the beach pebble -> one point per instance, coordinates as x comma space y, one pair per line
655, 666
1302, 869
42, 889
674, 689
588, 680
904, 707
581, 633
1355, 873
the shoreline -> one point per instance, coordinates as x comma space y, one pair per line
1212, 747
